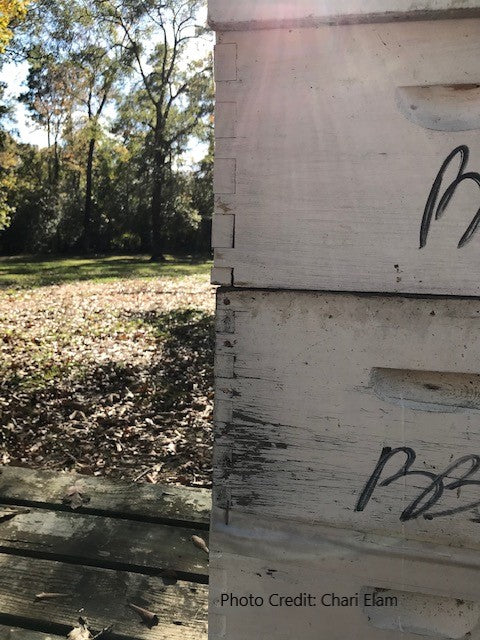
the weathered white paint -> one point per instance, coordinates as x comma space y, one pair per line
310, 388
222, 233
437, 587
221, 275
328, 157
442, 108
252, 14
321, 383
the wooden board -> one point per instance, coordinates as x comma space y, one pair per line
314, 390
181, 505
268, 14
14, 633
330, 140
436, 597
103, 596
108, 542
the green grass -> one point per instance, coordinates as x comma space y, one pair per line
26, 272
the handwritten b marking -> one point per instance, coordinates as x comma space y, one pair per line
432, 493
429, 211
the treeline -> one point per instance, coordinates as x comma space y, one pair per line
121, 94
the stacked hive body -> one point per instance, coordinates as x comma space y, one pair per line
347, 418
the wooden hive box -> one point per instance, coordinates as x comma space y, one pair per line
334, 123
347, 453
347, 461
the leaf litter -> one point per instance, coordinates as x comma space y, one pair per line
109, 379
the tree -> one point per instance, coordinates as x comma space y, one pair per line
11, 12
75, 64
50, 100
179, 92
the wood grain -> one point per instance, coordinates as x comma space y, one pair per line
302, 421
268, 14
265, 555
134, 546
14, 633
103, 595
331, 178
152, 502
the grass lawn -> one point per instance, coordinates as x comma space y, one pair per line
27, 272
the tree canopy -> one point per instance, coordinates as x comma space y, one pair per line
121, 95
11, 12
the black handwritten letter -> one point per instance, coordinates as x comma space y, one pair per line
464, 154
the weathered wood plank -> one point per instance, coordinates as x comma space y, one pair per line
104, 541
103, 596
356, 377
15, 633
331, 176
152, 502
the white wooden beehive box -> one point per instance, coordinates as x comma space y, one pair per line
333, 126
347, 460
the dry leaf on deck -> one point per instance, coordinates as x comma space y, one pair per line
148, 617
75, 497
50, 596
80, 633
200, 543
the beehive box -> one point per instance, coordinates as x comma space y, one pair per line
347, 461
348, 155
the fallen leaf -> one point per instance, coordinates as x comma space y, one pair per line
148, 617
51, 596
154, 388
80, 633
172, 448
200, 543
75, 497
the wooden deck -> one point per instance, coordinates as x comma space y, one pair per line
129, 544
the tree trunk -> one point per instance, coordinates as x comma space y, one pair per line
87, 214
157, 215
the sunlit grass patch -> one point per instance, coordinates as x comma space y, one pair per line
27, 272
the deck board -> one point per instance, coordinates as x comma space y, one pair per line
46, 489
129, 543
103, 595
8, 632
103, 541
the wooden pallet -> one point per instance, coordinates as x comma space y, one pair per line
128, 544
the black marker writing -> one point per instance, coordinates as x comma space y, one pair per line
424, 502
431, 207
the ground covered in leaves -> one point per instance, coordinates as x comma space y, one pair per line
109, 378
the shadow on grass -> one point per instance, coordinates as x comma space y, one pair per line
187, 338
118, 417
28, 272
